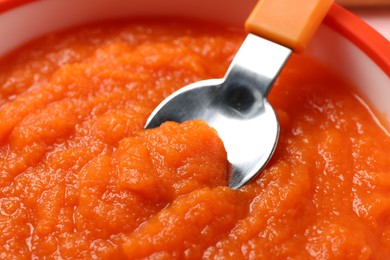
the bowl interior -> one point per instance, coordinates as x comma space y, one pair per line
335, 49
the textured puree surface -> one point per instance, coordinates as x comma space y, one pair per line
81, 179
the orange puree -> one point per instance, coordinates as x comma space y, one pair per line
81, 179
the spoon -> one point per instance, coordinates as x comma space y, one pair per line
236, 105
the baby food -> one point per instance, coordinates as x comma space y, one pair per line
82, 179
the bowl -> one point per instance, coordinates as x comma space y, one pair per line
343, 43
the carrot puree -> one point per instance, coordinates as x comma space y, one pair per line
81, 179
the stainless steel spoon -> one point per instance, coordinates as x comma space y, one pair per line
236, 105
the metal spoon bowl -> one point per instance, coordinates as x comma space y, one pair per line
235, 106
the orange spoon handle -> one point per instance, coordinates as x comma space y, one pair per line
290, 23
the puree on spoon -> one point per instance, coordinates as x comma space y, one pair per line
82, 179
